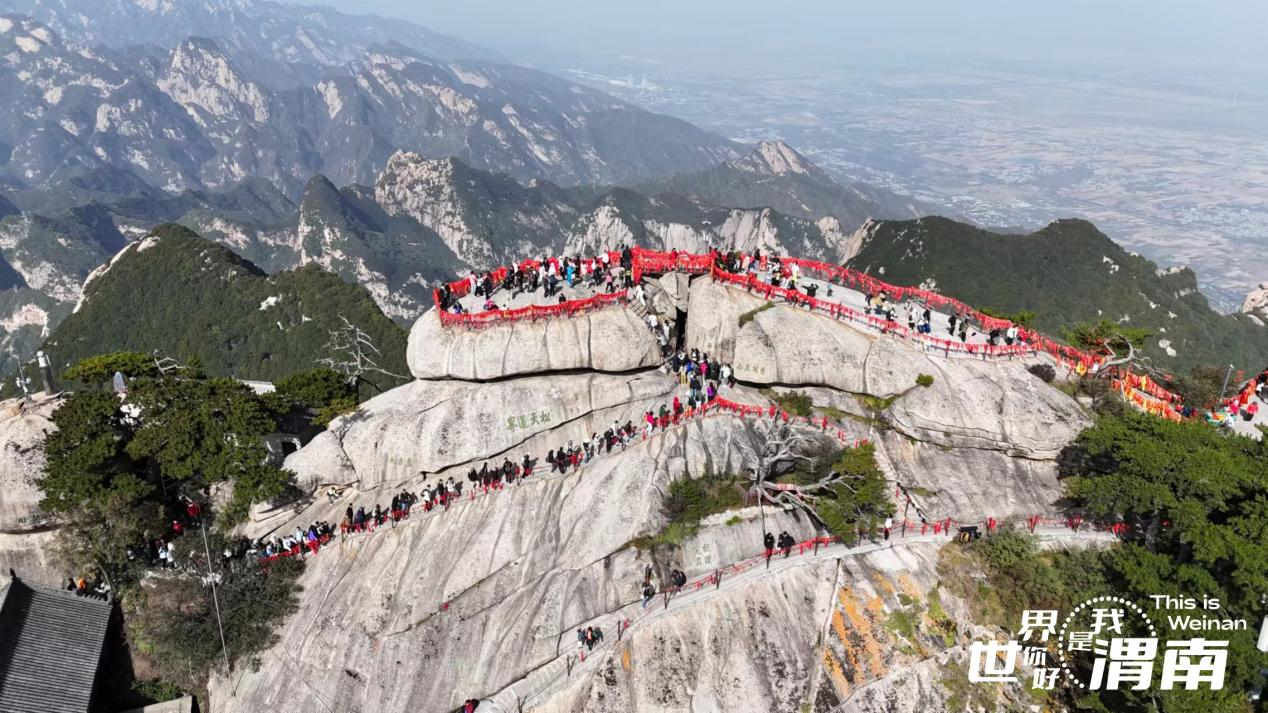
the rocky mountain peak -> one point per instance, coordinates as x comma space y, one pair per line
28, 36
778, 158
202, 79
1256, 302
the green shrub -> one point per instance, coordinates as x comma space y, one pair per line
99, 370
860, 503
315, 388
796, 403
174, 622
335, 408
749, 315
1044, 371
157, 690
924, 380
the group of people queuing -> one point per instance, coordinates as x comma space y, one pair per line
441, 493
919, 316
293, 544
549, 275
574, 455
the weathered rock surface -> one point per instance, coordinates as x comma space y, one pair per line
749, 649
822, 634
26, 533
612, 339
519, 570
473, 601
677, 289
973, 402
969, 484
22, 431
427, 427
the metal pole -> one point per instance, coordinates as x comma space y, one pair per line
1224, 388
211, 577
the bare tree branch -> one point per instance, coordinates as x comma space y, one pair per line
355, 354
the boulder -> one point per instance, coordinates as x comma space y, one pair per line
713, 317
787, 345
612, 339
23, 428
967, 484
974, 402
994, 404
26, 532
428, 427
676, 286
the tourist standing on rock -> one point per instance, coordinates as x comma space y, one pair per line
889, 525
768, 542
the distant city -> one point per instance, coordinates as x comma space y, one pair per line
1176, 170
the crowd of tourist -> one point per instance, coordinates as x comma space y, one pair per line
701, 376
549, 275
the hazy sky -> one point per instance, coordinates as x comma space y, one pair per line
742, 35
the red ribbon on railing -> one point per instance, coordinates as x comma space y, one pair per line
653, 261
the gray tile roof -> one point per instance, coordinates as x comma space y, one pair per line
50, 645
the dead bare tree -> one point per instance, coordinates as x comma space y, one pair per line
354, 354
782, 447
167, 366
1125, 357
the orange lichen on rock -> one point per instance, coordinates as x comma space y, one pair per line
864, 630
835, 673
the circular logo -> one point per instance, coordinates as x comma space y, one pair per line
1089, 624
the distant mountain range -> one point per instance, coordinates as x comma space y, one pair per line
396, 157
775, 176
199, 116
282, 34
421, 221
1066, 273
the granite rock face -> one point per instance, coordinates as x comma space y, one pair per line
429, 427
473, 599
484, 600
23, 428
973, 402
612, 339
26, 532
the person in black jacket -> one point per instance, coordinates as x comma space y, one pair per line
786, 541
